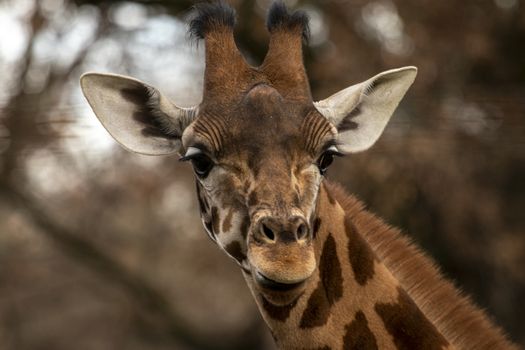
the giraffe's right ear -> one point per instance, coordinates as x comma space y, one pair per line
137, 115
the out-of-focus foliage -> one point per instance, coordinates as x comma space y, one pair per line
103, 249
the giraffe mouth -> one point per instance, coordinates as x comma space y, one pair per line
272, 285
281, 271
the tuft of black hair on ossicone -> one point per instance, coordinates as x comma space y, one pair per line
279, 17
209, 16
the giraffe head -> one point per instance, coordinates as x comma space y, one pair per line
259, 145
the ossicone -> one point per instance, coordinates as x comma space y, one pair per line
226, 70
279, 18
211, 16
283, 64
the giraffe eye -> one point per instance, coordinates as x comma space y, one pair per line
327, 158
202, 164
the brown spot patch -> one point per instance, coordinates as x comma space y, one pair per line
145, 112
215, 220
316, 226
409, 328
252, 199
245, 226
227, 223
297, 200
235, 250
360, 254
330, 269
279, 313
329, 289
358, 335
347, 123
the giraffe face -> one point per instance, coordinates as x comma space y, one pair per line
258, 169
257, 142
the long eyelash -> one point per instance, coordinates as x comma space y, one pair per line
330, 143
337, 154
185, 159
204, 151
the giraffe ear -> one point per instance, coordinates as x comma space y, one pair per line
361, 112
137, 115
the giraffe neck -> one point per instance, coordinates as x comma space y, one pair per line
353, 300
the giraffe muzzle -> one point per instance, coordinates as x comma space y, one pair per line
280, 252
272, 230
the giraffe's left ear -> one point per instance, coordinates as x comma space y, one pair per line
361, 112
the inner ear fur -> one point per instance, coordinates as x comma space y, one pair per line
361, 112
136, 114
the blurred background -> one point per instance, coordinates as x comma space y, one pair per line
104, 249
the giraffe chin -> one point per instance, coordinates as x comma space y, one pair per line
278, 294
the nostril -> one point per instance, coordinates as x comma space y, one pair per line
266, 231
302, 231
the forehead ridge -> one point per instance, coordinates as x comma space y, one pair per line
262, 119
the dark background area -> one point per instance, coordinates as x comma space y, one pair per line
103, 249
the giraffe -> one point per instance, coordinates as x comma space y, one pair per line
324, 272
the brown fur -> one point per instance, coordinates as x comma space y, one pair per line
227, 223
280, 313
329, 289
452, 313
332, 297
226, 70
361, 257
389, 311
409, 328
284, 67
235, 250
358, 336
228, 76
372, 288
